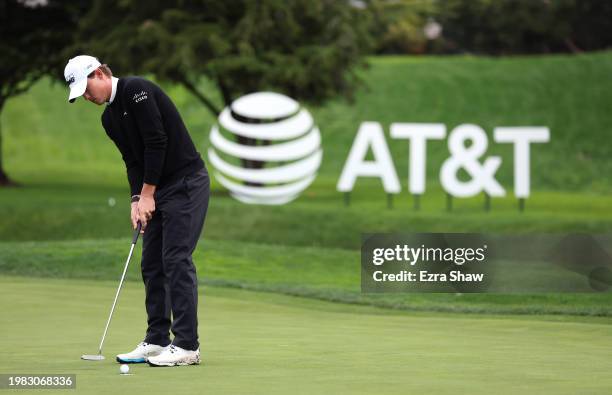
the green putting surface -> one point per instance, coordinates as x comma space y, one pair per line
262, 343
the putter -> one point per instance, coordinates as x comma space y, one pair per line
99, 356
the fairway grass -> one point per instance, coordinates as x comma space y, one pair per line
260, 343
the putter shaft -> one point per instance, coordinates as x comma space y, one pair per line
127, 262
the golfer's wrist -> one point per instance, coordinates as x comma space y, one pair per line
147, 191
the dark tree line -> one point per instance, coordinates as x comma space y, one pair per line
492, 27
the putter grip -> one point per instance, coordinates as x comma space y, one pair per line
137, 233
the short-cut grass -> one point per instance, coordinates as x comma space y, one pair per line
262, 343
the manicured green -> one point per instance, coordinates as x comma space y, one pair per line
260, 343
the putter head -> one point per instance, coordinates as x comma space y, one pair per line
97, 357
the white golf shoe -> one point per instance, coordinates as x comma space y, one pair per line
141, 353
175, 356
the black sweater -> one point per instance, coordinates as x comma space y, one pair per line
145, 125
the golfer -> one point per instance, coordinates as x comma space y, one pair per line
170, 191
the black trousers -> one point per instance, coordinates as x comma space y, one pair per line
168, 271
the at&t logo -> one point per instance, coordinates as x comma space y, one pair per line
265, 149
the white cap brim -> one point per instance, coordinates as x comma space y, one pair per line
77, 89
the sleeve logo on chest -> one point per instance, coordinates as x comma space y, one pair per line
138, 97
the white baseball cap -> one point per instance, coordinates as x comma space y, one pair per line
76, 72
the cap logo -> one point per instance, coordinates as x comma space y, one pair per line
70, 79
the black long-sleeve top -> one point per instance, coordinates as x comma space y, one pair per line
147, 129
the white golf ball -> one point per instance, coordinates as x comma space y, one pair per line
112, 202
124, 369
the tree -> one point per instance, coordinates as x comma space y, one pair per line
398, 25
540, 26
33, 35
308, 49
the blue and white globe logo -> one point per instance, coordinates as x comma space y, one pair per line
283, 142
